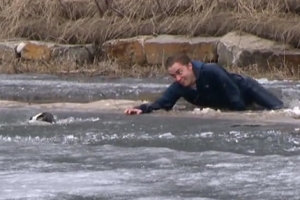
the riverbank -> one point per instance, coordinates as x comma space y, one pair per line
133, 39
108, 69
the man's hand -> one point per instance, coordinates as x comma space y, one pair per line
133, 111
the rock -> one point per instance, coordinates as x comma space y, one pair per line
157, 49
33, 51
245, 49
234, 48
126, 51
79, 54
43, 51
7, 52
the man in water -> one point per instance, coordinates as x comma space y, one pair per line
209, 85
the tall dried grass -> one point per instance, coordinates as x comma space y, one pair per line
104, 68
95, 21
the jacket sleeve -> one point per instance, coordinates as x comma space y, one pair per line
168, 99
226, 85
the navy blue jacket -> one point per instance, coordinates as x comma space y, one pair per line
216, 88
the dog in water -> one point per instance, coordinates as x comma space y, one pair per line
43, 117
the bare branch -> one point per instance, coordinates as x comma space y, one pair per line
115, 10
99, 8
63, 5
161, 8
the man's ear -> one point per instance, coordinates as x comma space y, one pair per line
190, 66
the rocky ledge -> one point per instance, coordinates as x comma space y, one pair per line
234, 48
45, 51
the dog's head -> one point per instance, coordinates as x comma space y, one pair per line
44, 117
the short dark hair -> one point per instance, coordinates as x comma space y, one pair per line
180, 57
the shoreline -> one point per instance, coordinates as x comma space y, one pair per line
248, 71
133, 39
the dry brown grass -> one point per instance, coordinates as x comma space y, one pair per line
95, 21
271, 72
104, 68
107, 68
83, 22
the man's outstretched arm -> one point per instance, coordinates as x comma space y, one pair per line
168, 99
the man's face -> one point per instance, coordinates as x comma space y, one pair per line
183, 74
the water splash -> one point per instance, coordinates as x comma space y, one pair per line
66, 121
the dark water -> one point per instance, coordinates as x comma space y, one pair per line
46, 88
112, 156
94, 155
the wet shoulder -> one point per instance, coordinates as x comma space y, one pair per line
211, 67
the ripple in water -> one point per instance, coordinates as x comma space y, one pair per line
109, 172
250, 143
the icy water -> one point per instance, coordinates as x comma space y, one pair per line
100, 155
85, 89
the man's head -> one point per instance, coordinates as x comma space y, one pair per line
179, 66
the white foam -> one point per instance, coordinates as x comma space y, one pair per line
205, 111
66, 121
294, 112
39, 123
206, 134
70, 120
166, 135
267, 81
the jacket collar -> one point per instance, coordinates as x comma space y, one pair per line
197, 65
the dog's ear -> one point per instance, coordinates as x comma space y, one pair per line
40, 117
